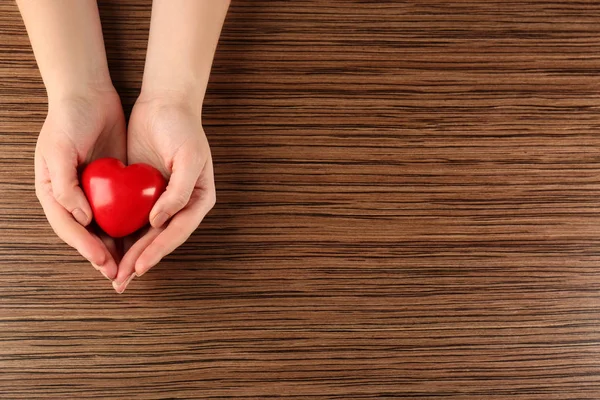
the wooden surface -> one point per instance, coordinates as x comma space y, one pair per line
408, 207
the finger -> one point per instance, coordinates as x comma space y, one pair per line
184, 176
62, 171
177, 232
127, 264
109, 269
67, 229
114, 246
128, 242
126, 268
78, 237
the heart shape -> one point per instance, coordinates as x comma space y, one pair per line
121, 197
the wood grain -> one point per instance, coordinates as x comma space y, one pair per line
408, 207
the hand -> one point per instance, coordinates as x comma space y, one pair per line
167, 133
78, 130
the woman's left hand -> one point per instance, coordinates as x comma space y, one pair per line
166, 132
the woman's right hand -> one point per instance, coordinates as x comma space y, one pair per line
78, 130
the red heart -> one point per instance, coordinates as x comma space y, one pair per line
121, 197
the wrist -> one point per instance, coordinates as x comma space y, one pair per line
178, 97
93, 85
84, 98
180, 87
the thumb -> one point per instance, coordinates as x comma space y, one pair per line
177, 195
65, 187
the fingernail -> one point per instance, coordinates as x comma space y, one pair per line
120, 288
117, 287
101, 270
160, 219
104, 273
143, 271
80, 216
139, 271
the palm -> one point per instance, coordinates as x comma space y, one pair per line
157, 133
95, 130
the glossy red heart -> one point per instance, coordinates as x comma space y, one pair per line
121, 197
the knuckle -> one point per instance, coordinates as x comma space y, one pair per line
179, 201
63, 197
65, 193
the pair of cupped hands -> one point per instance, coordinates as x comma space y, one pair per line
165, 131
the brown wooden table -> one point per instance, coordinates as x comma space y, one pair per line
408, 207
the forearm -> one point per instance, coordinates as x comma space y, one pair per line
66, 37
183, 39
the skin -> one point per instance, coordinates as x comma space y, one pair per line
85, 118
85, 121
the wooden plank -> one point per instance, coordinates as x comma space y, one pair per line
408, 207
